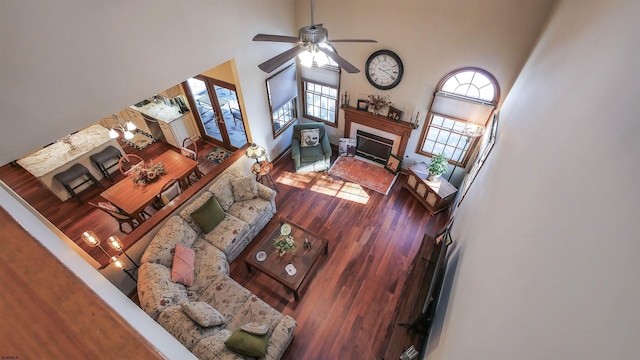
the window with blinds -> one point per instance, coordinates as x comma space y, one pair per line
464, 99
321, 86
282, 89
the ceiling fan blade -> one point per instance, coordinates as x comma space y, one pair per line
276, 38
341, 61
354, 40
275, 62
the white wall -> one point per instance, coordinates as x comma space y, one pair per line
545, 264
69, 63
432, 38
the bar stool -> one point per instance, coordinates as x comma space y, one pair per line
75, 172
102, 159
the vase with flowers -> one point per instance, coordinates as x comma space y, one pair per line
284, 243
378, 102
146, 172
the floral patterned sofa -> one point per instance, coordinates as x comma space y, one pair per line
186, 311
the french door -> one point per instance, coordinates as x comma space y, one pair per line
217, 111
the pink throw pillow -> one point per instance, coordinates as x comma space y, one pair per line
183, 265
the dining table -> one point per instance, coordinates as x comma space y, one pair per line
133, 198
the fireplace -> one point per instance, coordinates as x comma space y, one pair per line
398, 132
373, 147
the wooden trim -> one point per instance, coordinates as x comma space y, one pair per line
496, 95
400, 128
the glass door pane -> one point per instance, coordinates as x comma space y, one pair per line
206, 112
232, 115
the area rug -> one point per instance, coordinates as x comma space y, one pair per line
140, 140
361, 172
218, 155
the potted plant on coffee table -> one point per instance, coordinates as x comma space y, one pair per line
439, 165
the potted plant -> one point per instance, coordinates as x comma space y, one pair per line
439, 165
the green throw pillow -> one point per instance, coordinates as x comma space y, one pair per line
209, 215
247, 344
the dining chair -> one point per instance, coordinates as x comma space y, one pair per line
116, 213
128, 162
190, 150
169, 191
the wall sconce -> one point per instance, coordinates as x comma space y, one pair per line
114, 242
126, 129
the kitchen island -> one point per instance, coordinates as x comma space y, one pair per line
64, 153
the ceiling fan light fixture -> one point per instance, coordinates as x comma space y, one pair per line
306, 58
321, 58
309, 39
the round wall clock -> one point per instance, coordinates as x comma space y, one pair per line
384, 69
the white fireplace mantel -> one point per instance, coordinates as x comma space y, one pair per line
400, 131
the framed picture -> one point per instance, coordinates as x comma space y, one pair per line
363, 105
393, 164
347, 147
394, 114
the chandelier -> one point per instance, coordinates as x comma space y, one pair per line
126, 129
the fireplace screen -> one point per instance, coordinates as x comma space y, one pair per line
373, 147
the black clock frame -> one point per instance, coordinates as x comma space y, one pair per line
400, 69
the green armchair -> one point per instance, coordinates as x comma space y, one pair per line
310, 150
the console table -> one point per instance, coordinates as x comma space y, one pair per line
435, 195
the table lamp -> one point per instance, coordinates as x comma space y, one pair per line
255, 152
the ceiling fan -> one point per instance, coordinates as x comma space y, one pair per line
312, 44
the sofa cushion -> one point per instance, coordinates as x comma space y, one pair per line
226, 296
222, 190
184, 329
309, 137
210, 261
244, 188
255, 310
255, 328
311, 154
156, 290
251, 211
212, 347
247, 344
203, 314
227, 234
209, 215
183, 265
174, 231
192, 206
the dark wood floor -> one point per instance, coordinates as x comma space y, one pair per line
349, 305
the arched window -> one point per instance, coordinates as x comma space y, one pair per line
462, 104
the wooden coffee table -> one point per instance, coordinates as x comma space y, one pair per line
303, 259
